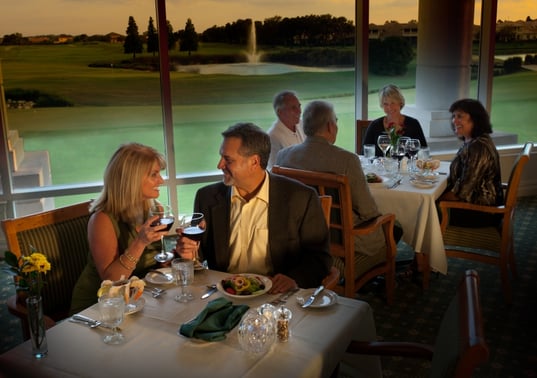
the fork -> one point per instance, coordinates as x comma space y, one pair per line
284, 297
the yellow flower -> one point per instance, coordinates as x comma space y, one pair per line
29, 270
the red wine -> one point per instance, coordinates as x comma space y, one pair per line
399, 155
412, 152
168, 222
193, 232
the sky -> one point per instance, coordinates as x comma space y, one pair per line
39, 17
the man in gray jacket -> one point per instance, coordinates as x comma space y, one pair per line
318, 153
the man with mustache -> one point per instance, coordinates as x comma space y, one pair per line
257, 222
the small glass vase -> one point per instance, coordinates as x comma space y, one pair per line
36, 324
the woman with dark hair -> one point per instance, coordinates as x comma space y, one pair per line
474, 174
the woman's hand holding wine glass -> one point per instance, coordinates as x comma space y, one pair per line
165, 218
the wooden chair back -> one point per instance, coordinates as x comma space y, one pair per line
61, 235
343, 232
326, 204
489, 245
460, 344
361, 128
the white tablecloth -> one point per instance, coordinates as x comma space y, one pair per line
415, 209
153, 348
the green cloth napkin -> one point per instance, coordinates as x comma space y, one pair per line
217, 318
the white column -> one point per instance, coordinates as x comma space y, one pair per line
444, 56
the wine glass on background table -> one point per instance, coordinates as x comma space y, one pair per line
183, 273
112, 309
383, 141
190, 223
399, 151
412, 148
167, 218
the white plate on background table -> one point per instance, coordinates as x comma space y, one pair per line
422, 184
135, 306
383, 184
326, 298
266, 281
158, 279
426, 176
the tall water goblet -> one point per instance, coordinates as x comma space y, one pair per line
112, 309
183, 273
167, 218
412, 148
190, 223
383, 141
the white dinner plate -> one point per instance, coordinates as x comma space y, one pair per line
430, 176
159, 279
326, 298
135, 306
266, 281
422, 184
381, 184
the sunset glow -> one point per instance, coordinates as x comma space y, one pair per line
33, 17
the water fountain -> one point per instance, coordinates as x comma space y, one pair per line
253, 66
251, 53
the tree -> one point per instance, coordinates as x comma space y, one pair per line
14, 39
152, 37
133, 42
172, 38
188, 38
390, 56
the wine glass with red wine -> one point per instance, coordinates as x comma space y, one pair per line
167, 218
190, 223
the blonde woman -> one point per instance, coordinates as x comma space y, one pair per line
392, 101
121, 240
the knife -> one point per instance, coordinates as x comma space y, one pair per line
312, 297
78, 318
209, 292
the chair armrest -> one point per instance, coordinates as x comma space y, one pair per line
470, 206
391, 348
372, 225
332, 280
386, 223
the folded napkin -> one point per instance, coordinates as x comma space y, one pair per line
217, 318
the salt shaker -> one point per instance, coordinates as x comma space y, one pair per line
283, 315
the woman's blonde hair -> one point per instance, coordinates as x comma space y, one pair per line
121, 196
392, 92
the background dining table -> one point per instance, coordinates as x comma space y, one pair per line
153, 347
415, 208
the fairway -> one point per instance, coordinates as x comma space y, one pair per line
114, 106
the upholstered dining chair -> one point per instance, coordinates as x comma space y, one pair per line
460, 344
361, 128
61, 235
489, 245
343, 231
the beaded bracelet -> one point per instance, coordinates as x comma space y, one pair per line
126, 266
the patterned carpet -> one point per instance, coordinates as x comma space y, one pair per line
415, 314
510, 331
